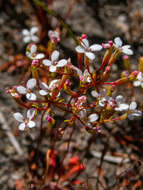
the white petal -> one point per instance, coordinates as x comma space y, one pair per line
52, 68
140, 76
122, 107
33, 30
31, 83
27, 39
55, 55
21, 126
119, 99
18, 116
79, 49
44, 86
118, 42
30, 113
85, 43
133, 106
33, 48
137, 113
31, 124
127, 51
25, 32
95, 47
46, 62
126, 46
52, 83
90, 55
94, 93
93, 117
31, 96
102, 102
21, 89
137, 83
40, 56
62, 63
43, 92
34, 38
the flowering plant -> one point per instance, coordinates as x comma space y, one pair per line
90, 103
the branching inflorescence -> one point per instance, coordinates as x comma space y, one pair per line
90, 103
52, 77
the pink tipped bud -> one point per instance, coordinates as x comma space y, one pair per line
107, 45
83, 36
68, 83
110, 42
135, 73
35, 62
125, 57
50, 120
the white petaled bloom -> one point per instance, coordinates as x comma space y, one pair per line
29, 35
54, 84
25, 122
88, 50
93, 117
53, 64
54, 36
133, 112
31, 83
44, 89
139, 81
85, 77
120, 105
79, 102
32, 53
103, 101
125, 49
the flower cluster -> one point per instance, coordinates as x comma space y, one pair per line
51, 85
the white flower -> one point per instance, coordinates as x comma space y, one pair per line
29, 36
94, 93
54, 63
87, 50
54, 84
54, 36
125, 49
121, 106
93, 117
25, 122
44, 89
133, 112
32, 54
131, 108
31, 83
139, 81
85, 77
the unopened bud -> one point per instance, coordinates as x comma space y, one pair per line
35, 62
50, 120
127, 64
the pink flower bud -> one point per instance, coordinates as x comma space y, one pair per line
110, 42
50, 119
83, 36
68, 83
35, 62
125, 57
135, 73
